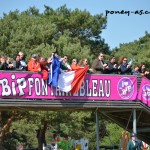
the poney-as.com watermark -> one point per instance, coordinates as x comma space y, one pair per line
126, 12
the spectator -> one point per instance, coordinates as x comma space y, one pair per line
16, 63
112, 65
65, 63
99, 67
44, 68
133, 144
74, 65
135, 71
83, 62
33, 64
9, 64
143, 71
23, 61
125, 68
3, 64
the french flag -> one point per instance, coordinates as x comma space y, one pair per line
69, 81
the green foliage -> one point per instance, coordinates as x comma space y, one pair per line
12, 139
69, 31
23, 127
64, 145
139, 50
113, 135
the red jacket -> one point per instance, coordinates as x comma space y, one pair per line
34, 65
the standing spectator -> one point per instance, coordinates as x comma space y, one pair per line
125, 68
23, 61
33, 64
9, 64
74, 64
99, 67
83, 62
16, 63
112, 65
133, 144
44, 68
143, 71
65, 63
3, 64
135, 71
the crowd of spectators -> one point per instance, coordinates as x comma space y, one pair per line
99, 66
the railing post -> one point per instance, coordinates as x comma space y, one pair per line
97, 130
134, 120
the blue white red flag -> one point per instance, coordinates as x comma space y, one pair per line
69, 81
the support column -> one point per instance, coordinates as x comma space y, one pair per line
134, 120
97, 130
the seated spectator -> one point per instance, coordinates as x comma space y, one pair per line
33, 64
112, 65
3, 64
23, 61
124, 67
16, 63
135, 71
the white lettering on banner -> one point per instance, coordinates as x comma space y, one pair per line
21, 85
13, 85
44, 88
52, 92
88, 90
30, 81
37, 86
107, 88
101, 89
6, 91
94, 85
146, 93
58, 92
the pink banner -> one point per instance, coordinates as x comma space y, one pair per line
144, 92
95, 87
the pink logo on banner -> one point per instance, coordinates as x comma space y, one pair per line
146, 92
125, 88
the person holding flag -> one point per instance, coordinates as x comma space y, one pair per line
68, 81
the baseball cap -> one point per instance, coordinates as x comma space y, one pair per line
133, 134
34, 56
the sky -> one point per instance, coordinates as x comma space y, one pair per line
121, 28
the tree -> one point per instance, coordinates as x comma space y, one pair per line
139, 50
62, 29
6, 119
